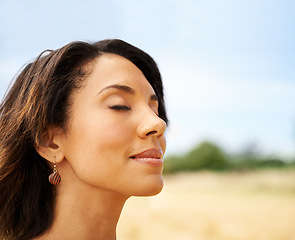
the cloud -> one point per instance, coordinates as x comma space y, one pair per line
228, 66
226, 109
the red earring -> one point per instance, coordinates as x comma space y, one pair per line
54, 178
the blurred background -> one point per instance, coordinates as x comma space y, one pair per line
228, 72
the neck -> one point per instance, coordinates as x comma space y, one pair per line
91, 214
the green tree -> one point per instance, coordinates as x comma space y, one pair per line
207, 155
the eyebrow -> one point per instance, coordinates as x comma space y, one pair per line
123, 88
126, 89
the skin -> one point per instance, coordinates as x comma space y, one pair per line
113, 116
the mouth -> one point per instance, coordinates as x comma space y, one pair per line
152, 157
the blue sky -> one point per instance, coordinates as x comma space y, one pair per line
227, 65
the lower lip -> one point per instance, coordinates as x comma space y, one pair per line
155, 162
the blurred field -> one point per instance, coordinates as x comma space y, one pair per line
215, 206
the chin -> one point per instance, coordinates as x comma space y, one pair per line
152, 188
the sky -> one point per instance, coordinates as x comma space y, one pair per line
227, 65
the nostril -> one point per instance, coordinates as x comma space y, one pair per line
151, 132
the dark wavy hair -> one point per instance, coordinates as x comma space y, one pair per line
40, 97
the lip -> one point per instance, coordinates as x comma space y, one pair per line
152, 157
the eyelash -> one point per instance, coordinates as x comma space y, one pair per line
120, 108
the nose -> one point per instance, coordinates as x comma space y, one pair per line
151, 125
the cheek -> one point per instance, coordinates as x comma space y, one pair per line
102, 137
94, 141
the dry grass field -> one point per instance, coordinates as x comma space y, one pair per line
215, 206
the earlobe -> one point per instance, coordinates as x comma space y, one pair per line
50, 146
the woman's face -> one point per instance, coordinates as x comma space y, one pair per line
115, 139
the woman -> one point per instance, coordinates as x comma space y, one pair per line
89, 118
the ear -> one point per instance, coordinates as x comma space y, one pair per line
50, 146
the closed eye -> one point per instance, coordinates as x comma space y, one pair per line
120, 107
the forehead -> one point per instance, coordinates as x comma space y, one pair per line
110, 69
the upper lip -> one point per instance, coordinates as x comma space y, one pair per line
150, 153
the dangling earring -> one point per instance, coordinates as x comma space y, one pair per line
54, 178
